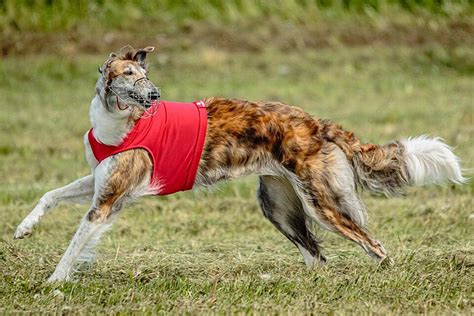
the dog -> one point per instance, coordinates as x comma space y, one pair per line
309, 169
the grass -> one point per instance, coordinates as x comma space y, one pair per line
213, 251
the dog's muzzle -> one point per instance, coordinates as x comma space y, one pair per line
152, 95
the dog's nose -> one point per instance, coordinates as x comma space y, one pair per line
154, 94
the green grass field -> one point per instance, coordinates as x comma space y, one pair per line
212, 251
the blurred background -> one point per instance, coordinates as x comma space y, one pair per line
385, 69
97, 26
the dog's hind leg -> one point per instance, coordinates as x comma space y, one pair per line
79, 191
118, 179
327, 212
283, 208
332, 201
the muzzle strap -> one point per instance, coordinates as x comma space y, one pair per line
139, 79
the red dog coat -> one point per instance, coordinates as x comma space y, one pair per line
173, 133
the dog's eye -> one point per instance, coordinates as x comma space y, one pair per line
128, 72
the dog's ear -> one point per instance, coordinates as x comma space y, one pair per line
103, 68
140, 54
127, 52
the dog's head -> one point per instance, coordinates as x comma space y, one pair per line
123, 85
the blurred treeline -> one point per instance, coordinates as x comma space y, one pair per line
33, 23
53, 15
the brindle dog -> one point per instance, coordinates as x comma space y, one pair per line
309, 169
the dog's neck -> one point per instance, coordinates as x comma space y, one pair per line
110, 128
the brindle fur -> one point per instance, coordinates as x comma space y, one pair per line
130, 169
252, 137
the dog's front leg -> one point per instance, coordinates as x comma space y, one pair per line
117, 180
82, 244
79, 191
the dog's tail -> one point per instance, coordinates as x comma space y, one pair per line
389, 168
419, 160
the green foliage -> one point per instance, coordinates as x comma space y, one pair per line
213, 252
46, 15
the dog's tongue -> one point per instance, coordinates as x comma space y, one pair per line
154, 102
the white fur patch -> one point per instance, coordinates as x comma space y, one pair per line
81, 248
342, 184
430, 160
79, 191
110, 128
309, 260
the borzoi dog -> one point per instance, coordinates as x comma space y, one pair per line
309, 169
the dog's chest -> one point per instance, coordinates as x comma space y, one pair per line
173, 134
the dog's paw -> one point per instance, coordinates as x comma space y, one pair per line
22, 232
386, 262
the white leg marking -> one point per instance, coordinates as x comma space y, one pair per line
309, 260
87, 235
343, 185
79, 191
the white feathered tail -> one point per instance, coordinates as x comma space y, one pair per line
418, 160
430, 160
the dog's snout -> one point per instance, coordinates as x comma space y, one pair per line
154, 94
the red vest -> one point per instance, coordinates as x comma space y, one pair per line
173, 133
